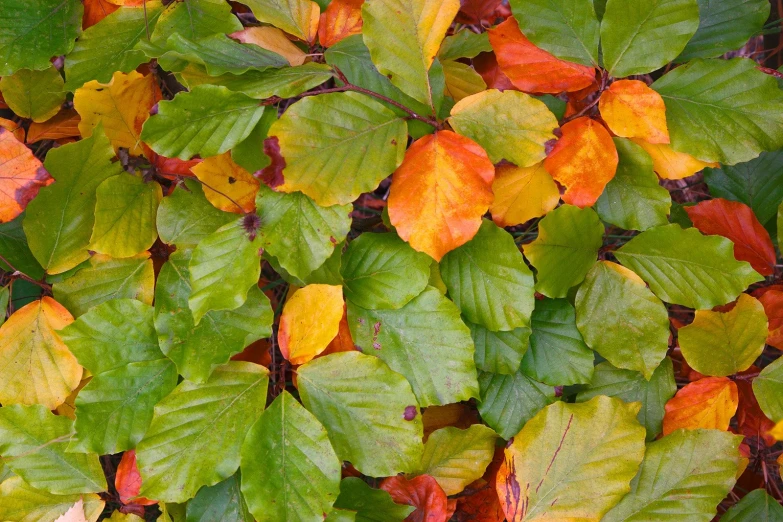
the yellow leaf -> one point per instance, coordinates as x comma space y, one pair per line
272, 39
777, 433
522, 193
310, 320
36, 366
670, 164
122, 105
68, 408
461, 80
295, 17
225, 181
633, 110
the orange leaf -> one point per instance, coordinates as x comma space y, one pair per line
736, 221
95, 11
226, 184
440, 191
633, 110
522, 193
481, 506
21, 176
707, 403
14, 127
342, 342
127, 481
584, 160
421, 492
532, 69
341, 19
772, 301
670, 164
64, 124
310, 320
172, 168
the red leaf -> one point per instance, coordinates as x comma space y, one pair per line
476, 11
128, 481
772, 300
751, 421
486, 64
421, 492
21, 176
172, 168
272, 175
736, 221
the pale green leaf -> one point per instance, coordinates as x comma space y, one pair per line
222, 502
20, 502
195, 19
292, 16
370, 505
768, 389
499, 352
756, 506
185, 217
34, 94
508, 401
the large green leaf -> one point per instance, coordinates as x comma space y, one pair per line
195, 19
566, 247
508, 401
370, 505
222, 502
59, 221
339, 145
499, 352
566, 28
369, 411
631, 386
640, 37
289, 469
425, 341
621, 319
218, 54
488, 280
20, 502
683, 478
15, 250
768, 389
33, 443
36, 31
756, 506
185, 217
34, 94
208, 120
722, 110
684, 267
197, 432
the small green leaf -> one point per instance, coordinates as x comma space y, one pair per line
218, 54
185, 217
34, 94
768, 389
249, 153
509, 401
370, 505
14, 248
19, 501
756, 506
222, 502
464, 44
499, 352
195, 19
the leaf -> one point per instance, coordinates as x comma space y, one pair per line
756, 505
272, 39
499, 352
439, 193
380, 271
767, 388
198, 349
736, 221
195, 19
22, 177
369, 411
403, 37
670, 164
630, 386
228, 186
64, 124
60, 220
103, 278
33, 443
296, 17
508, 402
455, 458
127, 480
425, 341
464, 44
707, 403
621, 319
219, 54
684, 267
722, 110
197, 431
41, 29
633, 110
683, 477
223, 502
565, 250
37, 367
352, 143
185, 217
370, 505
421, 492
557, 353
532, 69
461, 80
246, 153
571, 461
341, 19
522, 193
22, 502
488, 280
209, 120
34, 94
289, 469
641, 38
302, 335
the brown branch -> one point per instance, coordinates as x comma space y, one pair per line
17, 274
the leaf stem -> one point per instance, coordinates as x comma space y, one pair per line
17, 274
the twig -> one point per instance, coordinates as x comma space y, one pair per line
17, 274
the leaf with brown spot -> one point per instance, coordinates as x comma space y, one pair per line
227, 186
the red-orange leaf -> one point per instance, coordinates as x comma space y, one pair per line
707, 403
127, 481
341, 19
751, 421
584, 160
64, 124
532, 69
772, 300
736, 221
633, 110
486, 64
21, 176
423, 493
95, 11
440, 191
481, 506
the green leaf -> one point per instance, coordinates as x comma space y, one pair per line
292, 16
195, 19
621, 319
722, 110
40, 30
198, 349
339, 145
557, 354
508, 125
219, 54
110, 45
34, 94
341, 515
5, 297
208, 120
370, 505
185, 217
326, 274
104, 278
499, 352
33, 442
768, 389
725, 25
756, 506
464, 44
566, 248
381, 271
488, 280
289, 469
425, 341
631, 386
296, 230
455, 457
14, 248
683, 478
574, 461
223, 268
222, 502
197, 432
364, 405
249, 153
568, 29
59, 221
641, 37
684, 267
633, 200
509, 401
20, 502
